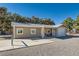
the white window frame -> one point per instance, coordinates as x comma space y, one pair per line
18, 30
34, 31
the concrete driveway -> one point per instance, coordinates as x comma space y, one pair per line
63, 46
60, 47
30, 42
5, 44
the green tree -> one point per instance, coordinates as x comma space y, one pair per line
3, 12
68, 22
7, 17
35, 20
48, 21
77, 20
76, 23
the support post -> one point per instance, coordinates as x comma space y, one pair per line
53, 32
13, 36
42, 32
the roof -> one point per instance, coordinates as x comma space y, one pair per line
34, 25
56, 26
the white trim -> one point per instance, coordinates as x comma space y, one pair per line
47, 26
34, 31
17, 29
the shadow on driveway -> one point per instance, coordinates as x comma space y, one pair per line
68, 37
24, 43
64, 37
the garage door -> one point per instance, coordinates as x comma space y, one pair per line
61, 32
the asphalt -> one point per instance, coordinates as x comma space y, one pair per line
60, 47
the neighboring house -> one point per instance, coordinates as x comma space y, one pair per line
23, 30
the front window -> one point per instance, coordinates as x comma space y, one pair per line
33, 31
19, 31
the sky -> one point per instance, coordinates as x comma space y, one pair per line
58, 12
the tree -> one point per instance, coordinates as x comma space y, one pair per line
76, 23
35, 20
68, 23
3, 12
28, 19
77, 20
7, 17
48, 21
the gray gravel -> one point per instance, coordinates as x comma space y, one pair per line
67, 47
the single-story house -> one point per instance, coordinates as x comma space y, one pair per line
27, 30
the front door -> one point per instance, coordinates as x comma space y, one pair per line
48, 33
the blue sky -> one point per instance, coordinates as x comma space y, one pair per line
56, 11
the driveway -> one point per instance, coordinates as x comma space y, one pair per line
60, 47
5, 44
30, 42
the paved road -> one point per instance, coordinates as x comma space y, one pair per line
67, 47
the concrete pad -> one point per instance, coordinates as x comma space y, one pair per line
5, 44
29, 42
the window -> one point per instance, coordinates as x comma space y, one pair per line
33, 31
19, 31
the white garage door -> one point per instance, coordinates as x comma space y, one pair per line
61, 32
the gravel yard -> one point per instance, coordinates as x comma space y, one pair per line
60, 47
